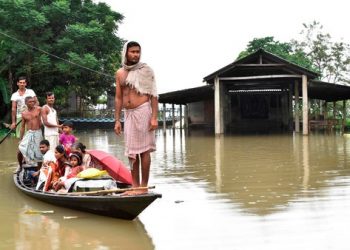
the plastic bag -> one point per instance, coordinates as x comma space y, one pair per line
91, 173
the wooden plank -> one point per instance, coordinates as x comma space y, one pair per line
252, 65
103, 192
258, 77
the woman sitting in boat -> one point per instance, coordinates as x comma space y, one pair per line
60, 169
86, 157
65, 183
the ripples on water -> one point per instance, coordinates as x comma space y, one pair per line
229, 192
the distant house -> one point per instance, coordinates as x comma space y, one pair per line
260, 92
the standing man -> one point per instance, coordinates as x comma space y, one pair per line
136, 92
50, 120
18, 103
30, 141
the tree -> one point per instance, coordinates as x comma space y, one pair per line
332, 59
284, 50
60, 45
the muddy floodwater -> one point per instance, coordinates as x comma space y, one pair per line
230, 192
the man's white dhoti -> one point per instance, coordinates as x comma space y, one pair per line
29, 146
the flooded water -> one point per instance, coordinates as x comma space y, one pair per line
230, 192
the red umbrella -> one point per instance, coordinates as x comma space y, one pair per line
113, 165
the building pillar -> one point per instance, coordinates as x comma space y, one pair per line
284, 108
305, 106
344, 116
290, 108
186, 117
296, 107
325, 110
181, 116
219, 129
321, 109
173, 114
164, 118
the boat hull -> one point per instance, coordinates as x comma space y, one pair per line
117, 206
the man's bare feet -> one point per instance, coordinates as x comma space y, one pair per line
135, 192
129, 193
142, 191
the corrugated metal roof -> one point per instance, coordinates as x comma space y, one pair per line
328, 91
188, 95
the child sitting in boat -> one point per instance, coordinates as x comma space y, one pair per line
65, 182
75, 161
81, 148
67, 138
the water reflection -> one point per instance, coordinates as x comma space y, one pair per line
261, 173
53, 231
218, 149
20, 230
306, 163
229, 192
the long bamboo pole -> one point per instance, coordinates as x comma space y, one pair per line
8, 133
103, 192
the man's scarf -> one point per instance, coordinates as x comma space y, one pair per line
140, 76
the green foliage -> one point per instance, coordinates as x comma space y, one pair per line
4, 92
315, 51
332, 59
79, 31
284, 50
61, 93
268, 44
102, 99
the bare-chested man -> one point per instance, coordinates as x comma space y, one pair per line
136, 92
29, 145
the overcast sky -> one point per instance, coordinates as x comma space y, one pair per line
184, 40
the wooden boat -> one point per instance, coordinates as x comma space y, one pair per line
110, 203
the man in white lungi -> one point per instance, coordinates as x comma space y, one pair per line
29, 150
136, 92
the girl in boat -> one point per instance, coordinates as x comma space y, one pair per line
75, 161
65, 183
86, 157
67, 138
